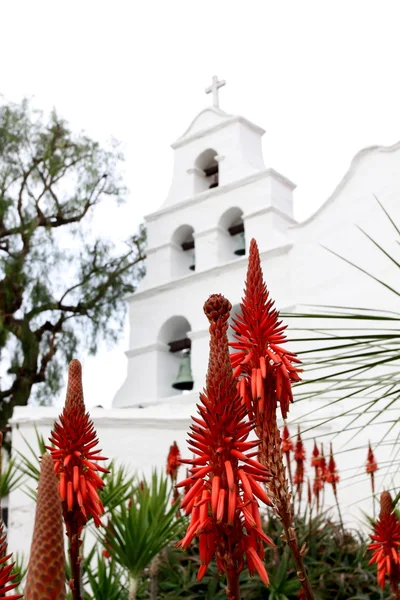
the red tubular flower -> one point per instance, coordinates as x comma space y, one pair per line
371, 465
223, 488
385, 545
266, 367
74, 454
173, 461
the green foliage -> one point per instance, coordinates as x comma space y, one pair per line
29, 462
19, 569
137, 531
118, 486
351, 359
11, 478
106, 579
337, 564
61, 287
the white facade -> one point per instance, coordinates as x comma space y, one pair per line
148, 414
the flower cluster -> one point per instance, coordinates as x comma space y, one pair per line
74, 452
386, 543
316, 462
287, 444
299, 457
266, 367
371, 465
173, 461
223, 488
332, 475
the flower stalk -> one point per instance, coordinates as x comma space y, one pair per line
75, 455
266, 371
224, 486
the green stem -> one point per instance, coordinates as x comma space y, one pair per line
338, 507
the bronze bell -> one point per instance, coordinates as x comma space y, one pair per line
184, 380
241, 246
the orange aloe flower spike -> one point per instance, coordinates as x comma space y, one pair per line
46, 571
222, 493
371, 465
259, 336
173, 461
75, 455
385, 545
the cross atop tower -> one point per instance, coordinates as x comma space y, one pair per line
214, 87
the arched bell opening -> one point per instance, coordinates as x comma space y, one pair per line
174, 368
233, 243
185, 258
206, 171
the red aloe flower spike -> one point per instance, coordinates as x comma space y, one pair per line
323, 465
332, 477
46, 572
318, 484
287, 444
260, 356
7, 582
299, 457
287, 448
173, 461
371, 467
315, 459
385, 545
266, 371
74, 451
222, 493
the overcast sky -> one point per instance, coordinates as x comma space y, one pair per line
321, 77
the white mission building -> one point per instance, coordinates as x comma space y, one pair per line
222, 194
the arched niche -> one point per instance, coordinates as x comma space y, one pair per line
232, 241
183, 260
206, 171
174, 335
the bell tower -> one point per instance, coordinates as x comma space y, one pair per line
221, 195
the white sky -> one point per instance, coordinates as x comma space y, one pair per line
322, 77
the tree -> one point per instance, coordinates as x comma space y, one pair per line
61, 288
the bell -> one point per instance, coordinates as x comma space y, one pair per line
184, 380
241, 247
192, 265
